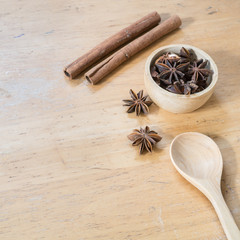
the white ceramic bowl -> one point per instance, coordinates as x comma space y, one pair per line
178, 103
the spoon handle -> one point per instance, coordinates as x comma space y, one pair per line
224, 214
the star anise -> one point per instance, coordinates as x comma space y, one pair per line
176, 87
170, 57
145, 138
193, 86
154, 72
186, 55
138, 103
181, 74
182, 87
198, 71
171, 71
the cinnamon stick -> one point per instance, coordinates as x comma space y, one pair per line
112, 43
95, 74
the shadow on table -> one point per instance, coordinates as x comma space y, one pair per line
229, 158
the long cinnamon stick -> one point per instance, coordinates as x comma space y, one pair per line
95, 74
112, 43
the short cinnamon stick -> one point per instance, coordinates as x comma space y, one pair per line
112, 43
95, 74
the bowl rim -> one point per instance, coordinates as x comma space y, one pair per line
195, 49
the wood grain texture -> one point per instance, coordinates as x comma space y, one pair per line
67, 169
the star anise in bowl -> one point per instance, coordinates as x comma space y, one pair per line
180, 84
144, 137
183, 73
170, 57
198, 70
138, 103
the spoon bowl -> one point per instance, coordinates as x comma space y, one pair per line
198, 159
205, 163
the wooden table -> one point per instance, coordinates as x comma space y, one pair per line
67, 170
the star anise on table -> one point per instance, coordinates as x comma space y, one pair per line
171, 71
144, 137
138, 103
198, 71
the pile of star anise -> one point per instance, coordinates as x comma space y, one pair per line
181, 73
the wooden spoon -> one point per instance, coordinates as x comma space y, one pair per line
198, 159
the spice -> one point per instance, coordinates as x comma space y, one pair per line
138, 103
102, 69
112, 43
167, 57
186, 55
169, 71
198, 71
181, 74
144, 137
